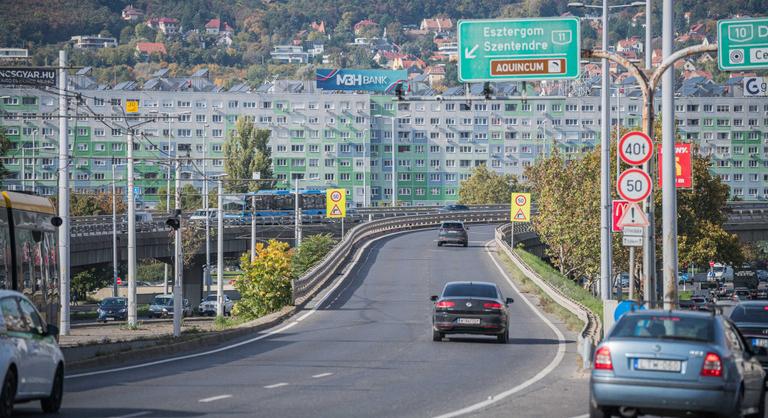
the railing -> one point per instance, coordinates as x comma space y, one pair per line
323, 272
590, 333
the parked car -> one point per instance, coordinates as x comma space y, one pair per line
453, 232
720, 273
111, 309
742, 293
762, 275
30, 358
751, 318
677, 363
162, 307
470, 308
209, 306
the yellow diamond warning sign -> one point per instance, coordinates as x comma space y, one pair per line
521, 207
336, 203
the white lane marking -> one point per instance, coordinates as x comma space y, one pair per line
135, 414
317, 376
276, 385
582, 416
540, 375
214, 398
275, 330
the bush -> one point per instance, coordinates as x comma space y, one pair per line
265, 284
311, 250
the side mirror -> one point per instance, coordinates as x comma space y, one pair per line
433, 298
510, 300
52, 330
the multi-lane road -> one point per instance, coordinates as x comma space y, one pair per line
364, 349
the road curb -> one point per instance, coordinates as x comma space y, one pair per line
127, 351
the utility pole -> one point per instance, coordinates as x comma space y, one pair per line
207, 273
114, 234
220, 251
668, 176
605, 170
132, 316
394, 160
649, 232
178, 265
253, 228
63, 195
296, 215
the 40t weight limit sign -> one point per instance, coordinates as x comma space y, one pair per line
635, 148
634, 185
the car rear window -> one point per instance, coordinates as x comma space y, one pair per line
664, 327
750, 314
452, 225
470, 290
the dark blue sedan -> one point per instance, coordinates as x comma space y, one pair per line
676, 363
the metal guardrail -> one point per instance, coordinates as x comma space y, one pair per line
324, 271
590, 333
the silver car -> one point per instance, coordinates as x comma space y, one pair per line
676, 363
31, 362
208, 306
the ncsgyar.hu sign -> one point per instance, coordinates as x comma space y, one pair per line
351, 79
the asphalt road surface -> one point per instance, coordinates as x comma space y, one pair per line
365, 352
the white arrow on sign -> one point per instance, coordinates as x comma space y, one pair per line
470, 53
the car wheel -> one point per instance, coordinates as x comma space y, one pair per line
52, 403
504, 337
8, 394
439, 243
437, 336
466, 243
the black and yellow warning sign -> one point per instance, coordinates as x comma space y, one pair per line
336, 203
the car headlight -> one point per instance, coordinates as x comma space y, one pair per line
123, 310
99, 311
165, 310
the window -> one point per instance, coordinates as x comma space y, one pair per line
14, 321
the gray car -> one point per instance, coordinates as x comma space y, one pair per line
453, 232
676, 363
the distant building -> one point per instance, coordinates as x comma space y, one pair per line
363, 25
218, 27
290, 54
93, 42
437, 25
14, 53
167, 25
630, 44
318, 26
132, 14
148, 48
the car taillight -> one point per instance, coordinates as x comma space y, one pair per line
603, 359
445, 304
712, 366
492, 305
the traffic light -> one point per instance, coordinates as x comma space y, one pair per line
174, 222
399, 91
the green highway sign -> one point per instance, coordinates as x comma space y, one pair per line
519, 49
742, 44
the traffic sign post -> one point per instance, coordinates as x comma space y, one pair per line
635, 148
633, 216
634, 185
520, 211
335, 203
742, 44
519, 49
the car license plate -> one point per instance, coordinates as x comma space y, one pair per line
759, 342
109, 318
658, 365
468, 321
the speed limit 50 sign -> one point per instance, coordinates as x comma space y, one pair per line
635, 148
634, 185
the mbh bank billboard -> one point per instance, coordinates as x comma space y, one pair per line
353, 79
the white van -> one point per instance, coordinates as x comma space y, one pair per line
720, 272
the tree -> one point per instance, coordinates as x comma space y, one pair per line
486, 187
246, 151
311, 251
95, 204
265, 284
191, 199
90, 280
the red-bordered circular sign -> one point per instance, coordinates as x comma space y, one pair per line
634, 185
635, 148
520, 200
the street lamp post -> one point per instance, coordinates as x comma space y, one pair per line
220, 249
605, 155
207, 273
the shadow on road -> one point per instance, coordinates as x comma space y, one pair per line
28, 411
515, 341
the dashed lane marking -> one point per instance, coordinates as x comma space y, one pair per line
214, 398
276, 385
